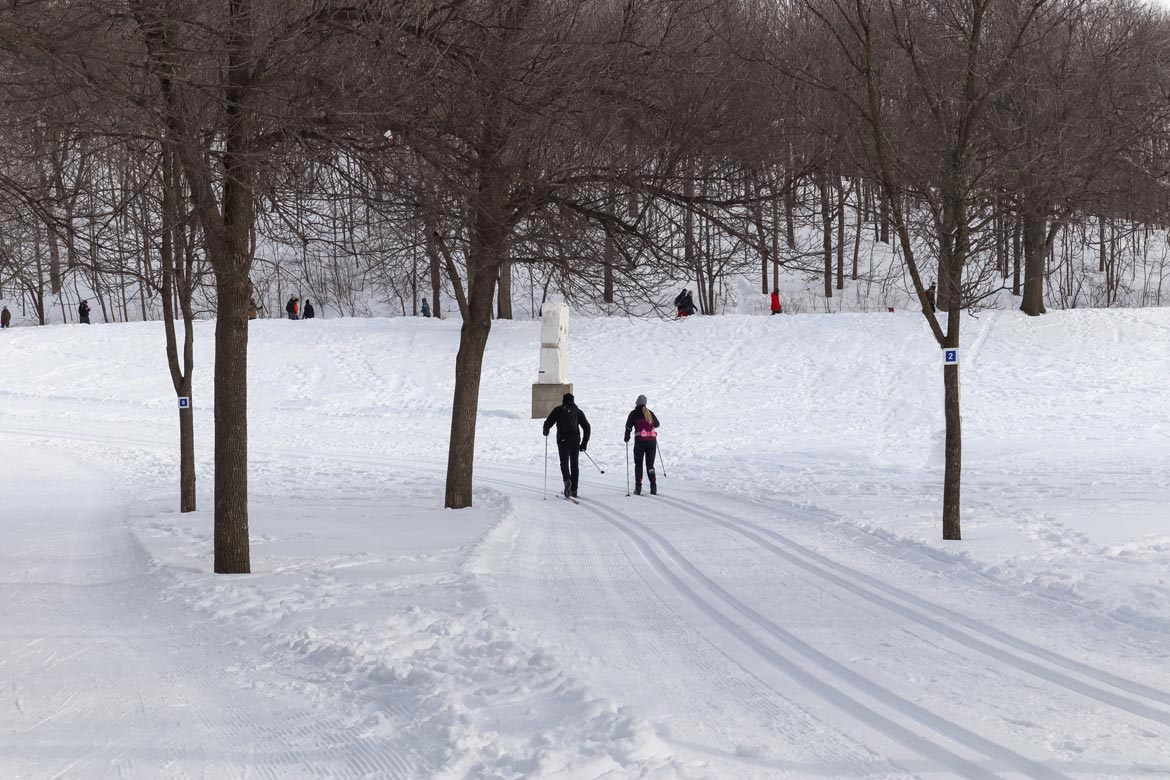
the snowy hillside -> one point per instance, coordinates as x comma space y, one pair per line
784, 609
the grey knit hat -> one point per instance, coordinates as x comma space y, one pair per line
641, 401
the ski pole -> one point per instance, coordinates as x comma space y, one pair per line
661, 460
591, 460
545, 468
627, 468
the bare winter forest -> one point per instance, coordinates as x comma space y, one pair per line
176, 159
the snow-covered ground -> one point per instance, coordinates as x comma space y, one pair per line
784, 609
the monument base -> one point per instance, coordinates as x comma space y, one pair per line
545, 398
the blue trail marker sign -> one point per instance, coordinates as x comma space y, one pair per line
950, 356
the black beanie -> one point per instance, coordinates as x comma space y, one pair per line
567, 398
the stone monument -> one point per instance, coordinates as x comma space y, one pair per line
553, 380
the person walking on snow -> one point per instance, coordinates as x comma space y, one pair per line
572, 438
426, 308
643, 424
83, 312
930, 293
775, 302
309, 313
292, 308
5, 318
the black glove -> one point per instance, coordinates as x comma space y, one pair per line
583, 447
546, 434
627, 438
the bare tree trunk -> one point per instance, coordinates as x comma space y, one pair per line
233, 243
487, 253
840, 233
232, 548
997, 229
857, 237
953, 468
473, 336
690, 258
435, 262
826, 233
504, 302
1101, 227
172, 246
775, 206
789, 215
1017, 254
755, 192
608, 255
1035, 251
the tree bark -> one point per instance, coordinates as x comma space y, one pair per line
504, 302
884, 218
826, 234
953, 469
790, 215
840, 233
181, 373
473, 336
1017, 254
435, 261
232, 548
608, 253
857, 237
1035, 251
486, 255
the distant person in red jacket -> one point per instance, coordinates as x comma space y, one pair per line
776, 302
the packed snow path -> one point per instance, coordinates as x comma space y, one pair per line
747, 640
782, 610
102, 679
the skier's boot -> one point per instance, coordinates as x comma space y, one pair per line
568, 488
653, 482
637, 488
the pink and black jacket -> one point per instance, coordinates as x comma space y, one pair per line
642, 428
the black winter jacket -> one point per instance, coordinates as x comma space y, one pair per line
567, 418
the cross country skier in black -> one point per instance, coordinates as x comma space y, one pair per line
643, 423
568, 418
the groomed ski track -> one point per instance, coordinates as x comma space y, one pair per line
939, 744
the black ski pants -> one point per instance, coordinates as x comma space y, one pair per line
570, 470
644, 449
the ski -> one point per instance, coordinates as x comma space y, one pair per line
571, 498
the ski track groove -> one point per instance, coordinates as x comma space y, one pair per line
823, 567
753, 693
891, 729
850, 704
1157, 643
921, 715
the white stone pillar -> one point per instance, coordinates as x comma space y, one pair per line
553, 378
